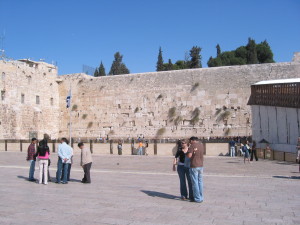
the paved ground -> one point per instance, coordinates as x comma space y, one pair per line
144, 190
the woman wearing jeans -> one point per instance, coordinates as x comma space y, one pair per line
43, 156
179, 160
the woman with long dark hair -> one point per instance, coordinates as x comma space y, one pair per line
42, 154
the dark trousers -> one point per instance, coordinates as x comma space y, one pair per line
87, 175
69, 171
253, 152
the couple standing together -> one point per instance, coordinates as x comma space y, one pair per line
189, 161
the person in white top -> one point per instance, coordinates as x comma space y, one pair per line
65, 153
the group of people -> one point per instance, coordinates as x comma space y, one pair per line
189, 162
246, 149
64, 163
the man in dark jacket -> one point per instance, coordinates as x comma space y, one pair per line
31, 158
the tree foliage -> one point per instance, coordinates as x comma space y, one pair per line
195, 57
160, 61
118, 67
100, 71
252, 53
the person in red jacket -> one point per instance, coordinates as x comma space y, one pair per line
31, 158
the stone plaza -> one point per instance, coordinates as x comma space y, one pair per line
144, 190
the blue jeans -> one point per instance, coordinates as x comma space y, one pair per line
188, 177
140, 151
31, 170
181, 174
232, 151
62, 166
197, 182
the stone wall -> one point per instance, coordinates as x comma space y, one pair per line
29, 101
202, 102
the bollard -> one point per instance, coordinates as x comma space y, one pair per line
53, 145
111, 146
21, 146
155, 147
5, 146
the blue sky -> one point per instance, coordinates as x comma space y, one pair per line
73, 33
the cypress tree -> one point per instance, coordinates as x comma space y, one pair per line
96, 73
160, 61
101, 71
264, 53
218, 50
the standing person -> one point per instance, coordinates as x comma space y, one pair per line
31, 158
146, 147
65, 152
140, 151
179, 161
86, 163
119, 147
42, 154
253, 151
232, 148
195, 153
298, 152
187, 166
245, 150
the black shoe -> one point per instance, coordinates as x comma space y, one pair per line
64, 182
32, 180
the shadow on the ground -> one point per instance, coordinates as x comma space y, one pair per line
75, 180
22, 177
287, 177
160, 195
233, 162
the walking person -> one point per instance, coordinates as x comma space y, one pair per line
42, 154
119, 147
86, 163
195, 153
179, 161
65, 152
31, 158
232, 147
253, 151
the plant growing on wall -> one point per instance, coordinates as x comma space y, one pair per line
160, 132
172, 112
136, 109
195, 86
223, 116
218, 111
195, 116
90, 124
159, 97
84, 116
74, 107
177, 120
227, 131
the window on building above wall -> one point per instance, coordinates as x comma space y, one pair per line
2, 95
37, 100
22, 98
51, 101
3, 76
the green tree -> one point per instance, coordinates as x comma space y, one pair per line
101, 71
264, 52
96, 73
180, 65
118, 67
251, 52
195, 57
160, 61
218, 50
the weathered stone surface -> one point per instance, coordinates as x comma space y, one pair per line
203, 102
